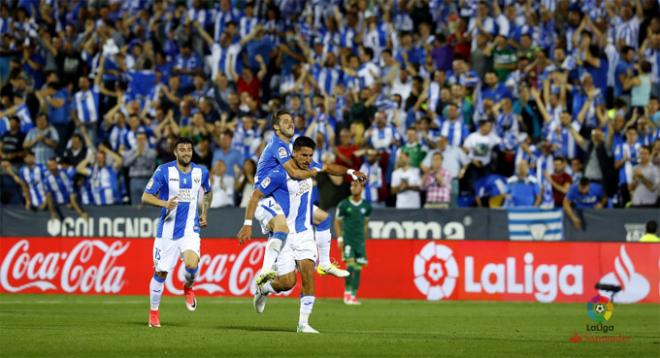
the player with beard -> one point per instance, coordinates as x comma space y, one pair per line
175, 188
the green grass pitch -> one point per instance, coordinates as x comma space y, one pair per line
111, 326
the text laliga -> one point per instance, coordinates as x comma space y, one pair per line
544, 281
78, 272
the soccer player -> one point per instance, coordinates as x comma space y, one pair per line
175, 187
299, 249
352, 228
270, 215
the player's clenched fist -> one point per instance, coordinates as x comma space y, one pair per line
245, 234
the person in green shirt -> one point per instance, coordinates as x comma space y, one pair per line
351, 226
416, 151
651, 232
504, 58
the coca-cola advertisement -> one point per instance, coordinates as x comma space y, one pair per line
408, 269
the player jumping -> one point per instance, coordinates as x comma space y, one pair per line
177, 185
269, 213
299, 247
352, 228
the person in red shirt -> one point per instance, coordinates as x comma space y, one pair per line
250, 83
560, 181
346, 151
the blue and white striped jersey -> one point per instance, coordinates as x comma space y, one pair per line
105, 186
59, 186
34, 177
86, 104
293, 196
167, 182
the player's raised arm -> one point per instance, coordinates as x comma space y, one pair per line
246, 230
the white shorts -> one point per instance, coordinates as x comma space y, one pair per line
167, 251
267, 209
297, 247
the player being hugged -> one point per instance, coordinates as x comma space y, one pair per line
175, 187
269, 213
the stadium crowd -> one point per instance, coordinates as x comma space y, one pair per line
439, 102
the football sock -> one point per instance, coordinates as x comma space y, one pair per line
306, 305
189, 276
349, 279
356, 280
323, 242
156, 291
273, 247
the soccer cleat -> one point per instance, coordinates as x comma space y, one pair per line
191, 301
347, 298
353, 301
265, 276
154, 320
306, 328
259, 300
333, 270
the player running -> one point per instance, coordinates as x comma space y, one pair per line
299, 247
269, 213
177, 185
352, 220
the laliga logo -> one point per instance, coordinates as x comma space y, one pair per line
634, 287
433, 263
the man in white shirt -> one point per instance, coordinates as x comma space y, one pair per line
646, 180
479, 148
222, 186
453, 158
406, 183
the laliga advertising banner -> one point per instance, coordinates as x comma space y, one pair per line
409, 269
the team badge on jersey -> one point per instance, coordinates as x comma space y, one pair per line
282, 152
265, 183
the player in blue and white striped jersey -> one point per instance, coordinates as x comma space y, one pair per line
30, 178
175, 187
276, 153
299, 250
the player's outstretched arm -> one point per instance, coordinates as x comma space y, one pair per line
246, 231
336, 169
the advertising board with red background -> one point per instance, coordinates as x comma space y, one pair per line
401, 269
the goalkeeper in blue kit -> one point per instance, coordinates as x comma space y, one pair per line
351, 226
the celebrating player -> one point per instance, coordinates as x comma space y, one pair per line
177, 185
352, 221
270, 214
299, 247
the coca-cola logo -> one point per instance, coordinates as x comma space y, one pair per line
223, 273
88, 268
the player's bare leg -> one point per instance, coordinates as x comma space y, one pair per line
155, 293
279, 230
323, 237
191, 260
306, 269
279, 284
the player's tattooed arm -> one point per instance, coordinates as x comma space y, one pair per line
208, 198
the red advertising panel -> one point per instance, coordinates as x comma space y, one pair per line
411, 269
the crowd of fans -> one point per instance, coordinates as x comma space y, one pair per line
471, 103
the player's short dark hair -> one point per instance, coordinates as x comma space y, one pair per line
182, 140
304, 142
560, 158
647, 147
651, 227
277, 117
583, 182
